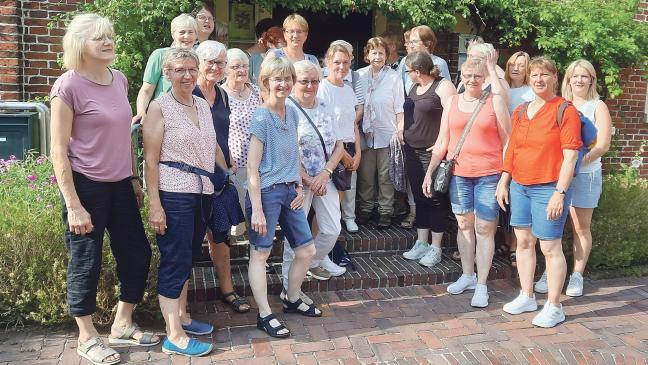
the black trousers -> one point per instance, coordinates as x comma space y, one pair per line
431, 213
113, 207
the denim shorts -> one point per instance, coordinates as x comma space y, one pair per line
587, 187
182, 240
529, 209
475, 194
276, 201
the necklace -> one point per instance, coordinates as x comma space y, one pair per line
193, 101
238, 93
464, 97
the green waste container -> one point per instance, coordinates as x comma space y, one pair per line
19, 133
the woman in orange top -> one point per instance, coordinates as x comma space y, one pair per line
476, 173
540, 159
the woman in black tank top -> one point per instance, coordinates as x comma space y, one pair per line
423, 109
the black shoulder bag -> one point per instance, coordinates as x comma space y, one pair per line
341, 179
444, 172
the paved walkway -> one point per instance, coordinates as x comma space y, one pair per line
413, 325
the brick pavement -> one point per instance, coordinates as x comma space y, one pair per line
411, 325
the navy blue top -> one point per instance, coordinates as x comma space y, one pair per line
220, 115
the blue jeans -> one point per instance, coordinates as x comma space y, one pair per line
113, 207
529, 209
475, 194
186, 216
276, 201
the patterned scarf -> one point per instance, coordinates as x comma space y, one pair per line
369, 117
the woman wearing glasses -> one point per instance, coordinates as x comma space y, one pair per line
204, 15
275, 195
183, 31
295, 29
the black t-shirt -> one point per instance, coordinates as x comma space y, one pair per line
220, 115
422, 116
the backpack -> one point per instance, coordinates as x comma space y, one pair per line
588, 130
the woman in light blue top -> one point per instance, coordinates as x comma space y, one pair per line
579, 87
516, 75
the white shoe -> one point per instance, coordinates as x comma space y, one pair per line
419, 250
351, 225
523, 303
480, 297
432, 257
541, 286
575, 286
332, 267
464, 282
549, 316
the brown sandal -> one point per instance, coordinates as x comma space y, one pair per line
236, 303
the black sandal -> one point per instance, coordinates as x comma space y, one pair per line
264, 325
236, 303
290, 307
456, 255
513, 258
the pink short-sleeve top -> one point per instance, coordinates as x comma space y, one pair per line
185, 142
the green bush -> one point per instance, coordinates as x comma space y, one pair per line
620, 223
33, 256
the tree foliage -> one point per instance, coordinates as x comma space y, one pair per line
602, 31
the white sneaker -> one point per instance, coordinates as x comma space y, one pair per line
480, 297
332, 267
418, 251
523, 303
465, 282
541, 286
575, 286
549, 316
432, 257
351, 225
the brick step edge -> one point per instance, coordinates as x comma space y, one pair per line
371, 272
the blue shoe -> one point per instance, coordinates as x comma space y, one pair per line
198, 328
194, 348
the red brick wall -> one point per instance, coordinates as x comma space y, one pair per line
10, 80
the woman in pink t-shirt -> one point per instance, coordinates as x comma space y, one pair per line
477, 171
91, 153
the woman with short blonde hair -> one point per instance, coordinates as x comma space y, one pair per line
91, 154
295, 29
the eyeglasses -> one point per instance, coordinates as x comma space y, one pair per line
239, 67
183, 71
472, 76
102, 38
203, 17
309, 82
408, 71
279, 80
413, 41
294, 31
211, 63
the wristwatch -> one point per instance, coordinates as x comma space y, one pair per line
561, 191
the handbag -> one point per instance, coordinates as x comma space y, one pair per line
341, 179
444, 172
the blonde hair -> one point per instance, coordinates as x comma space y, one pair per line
511, 62
475, 64
427, 36
307, 66
184, 21
335, 48
297, 19
567, 93
483, 49
82, 28
344, 44
273, 65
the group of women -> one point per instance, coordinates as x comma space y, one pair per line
290, 140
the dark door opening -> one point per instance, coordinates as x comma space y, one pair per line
355, 28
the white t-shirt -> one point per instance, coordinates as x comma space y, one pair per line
343, 101
519, 95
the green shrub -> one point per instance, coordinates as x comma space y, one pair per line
33, 256
620, 223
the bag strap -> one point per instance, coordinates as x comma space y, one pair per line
187, 168
471, 121
559, 117
312, 124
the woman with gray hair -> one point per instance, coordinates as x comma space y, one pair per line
184, 31
221, 33
211, 70
244, 98
181, 149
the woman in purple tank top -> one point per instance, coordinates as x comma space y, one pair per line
91, 153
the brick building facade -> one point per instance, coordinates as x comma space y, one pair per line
29, 49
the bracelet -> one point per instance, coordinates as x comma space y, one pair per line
328, 170
135, 177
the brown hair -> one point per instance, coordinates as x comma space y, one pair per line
422, 62
273, 35
427, 36
333, 49
544, 62
374, 43
511, 62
